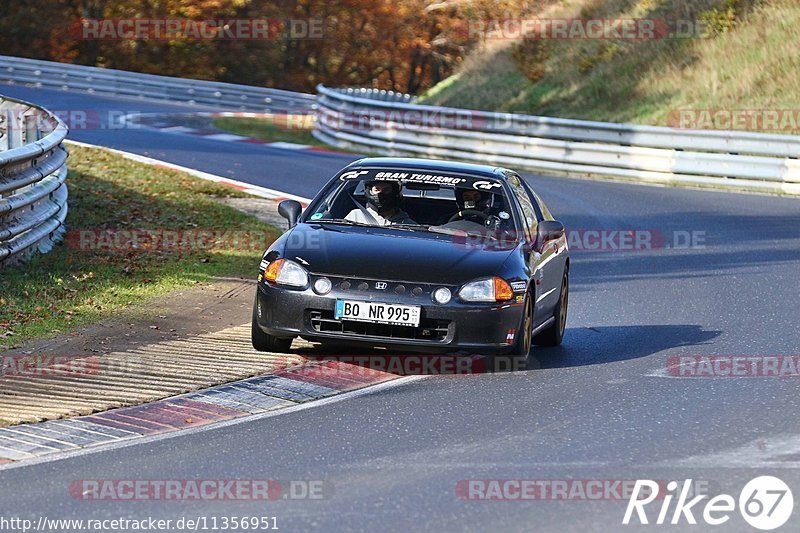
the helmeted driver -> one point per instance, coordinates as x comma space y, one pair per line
383, 205
473, 205
473, 199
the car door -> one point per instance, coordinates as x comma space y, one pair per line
538, 260
552, 258
561, 244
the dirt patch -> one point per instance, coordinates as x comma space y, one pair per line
262, 209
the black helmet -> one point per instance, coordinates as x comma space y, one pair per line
482, 204
383, 201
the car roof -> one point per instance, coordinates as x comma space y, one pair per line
429, 164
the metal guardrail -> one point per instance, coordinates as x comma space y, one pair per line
33, 172
737, 160
123, 83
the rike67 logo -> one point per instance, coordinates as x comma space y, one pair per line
765, 503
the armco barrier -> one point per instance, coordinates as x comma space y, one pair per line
393, 125
33, 172
133, 84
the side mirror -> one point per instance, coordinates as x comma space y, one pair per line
548, 230
290, 210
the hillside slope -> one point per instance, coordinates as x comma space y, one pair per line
742, 56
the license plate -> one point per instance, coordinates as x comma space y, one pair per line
378, 313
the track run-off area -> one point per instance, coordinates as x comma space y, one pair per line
715, 280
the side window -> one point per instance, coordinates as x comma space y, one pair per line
536, 201
530, 219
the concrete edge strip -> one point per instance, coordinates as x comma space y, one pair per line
301, 384
255, 190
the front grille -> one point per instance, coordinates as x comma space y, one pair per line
428, 329
354, 285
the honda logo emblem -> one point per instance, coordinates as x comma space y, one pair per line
380, 285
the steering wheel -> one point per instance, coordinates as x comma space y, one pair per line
460, 215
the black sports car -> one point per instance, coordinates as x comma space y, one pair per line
419, 254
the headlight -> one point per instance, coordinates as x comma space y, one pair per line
285, 272
486, 290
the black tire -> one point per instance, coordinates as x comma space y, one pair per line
519, 355
553, 335
264, 342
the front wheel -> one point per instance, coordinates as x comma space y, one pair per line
553, 335
264, 342
519, 355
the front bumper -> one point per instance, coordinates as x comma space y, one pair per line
456, 326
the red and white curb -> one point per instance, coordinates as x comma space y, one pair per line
255, 190
216, 135
294, 386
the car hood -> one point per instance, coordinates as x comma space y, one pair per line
390, 254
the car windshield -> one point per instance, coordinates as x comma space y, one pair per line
415, 200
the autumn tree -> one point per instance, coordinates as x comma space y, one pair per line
405, 45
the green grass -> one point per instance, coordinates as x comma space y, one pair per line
745, 60
487, 79
284, 128
75, 284
292, 128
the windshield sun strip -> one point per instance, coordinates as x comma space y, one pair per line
336, 190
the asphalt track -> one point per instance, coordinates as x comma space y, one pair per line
602, 406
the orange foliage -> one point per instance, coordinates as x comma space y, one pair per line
405, 45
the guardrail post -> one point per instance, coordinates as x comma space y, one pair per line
32, 133
13, 129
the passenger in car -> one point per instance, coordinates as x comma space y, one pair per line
383, 205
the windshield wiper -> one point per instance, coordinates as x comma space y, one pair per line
341, 221
407, 227
461, 232
414, 227
419, 227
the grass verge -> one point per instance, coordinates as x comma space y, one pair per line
276, 128
739, 56
185, 237
280, 128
